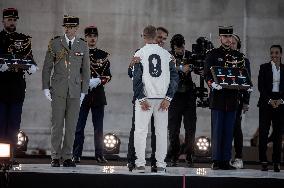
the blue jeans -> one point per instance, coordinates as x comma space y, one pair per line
10, 120
97, 118
222, 134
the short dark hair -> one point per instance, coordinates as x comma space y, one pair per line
276, 46
149, 32
163, 29
177, 40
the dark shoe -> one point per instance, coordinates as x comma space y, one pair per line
227, 166
215, 165
101, 159
130, 166
55, 163
76, 159
154, 168
15, 162
189, 162
264, 166
276, 167
69, 163
174, 163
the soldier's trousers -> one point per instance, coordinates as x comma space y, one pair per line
222, 134
65, 112
10, 120
97, 118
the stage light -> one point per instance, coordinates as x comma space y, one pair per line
108, 169
201, 171
5, 155
202, 146
111, 144
22, 142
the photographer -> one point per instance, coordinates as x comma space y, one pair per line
183, 104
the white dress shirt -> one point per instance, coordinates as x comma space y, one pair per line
67, 40
276, 77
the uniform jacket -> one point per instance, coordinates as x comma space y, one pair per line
100, 68
12, 81
224, 99
71, 68
265, 79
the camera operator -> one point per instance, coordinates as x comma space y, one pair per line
183, 104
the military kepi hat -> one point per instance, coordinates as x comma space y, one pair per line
91, 30
225, 30
10, 13
70, 21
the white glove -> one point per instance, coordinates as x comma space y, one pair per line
250, 90
216, 86
47, 94
4, 67
32, 69
94, 82
82, 98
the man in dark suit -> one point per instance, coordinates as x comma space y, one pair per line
271, 106
95, 99
13, 45
183, 105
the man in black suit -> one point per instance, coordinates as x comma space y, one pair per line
271, 106
95, 99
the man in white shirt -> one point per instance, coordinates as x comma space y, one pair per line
154, 83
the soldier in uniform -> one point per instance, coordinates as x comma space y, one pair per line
68, 57
95, 99
223, 102
182, 105
13, 45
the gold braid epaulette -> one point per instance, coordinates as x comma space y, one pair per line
58, 57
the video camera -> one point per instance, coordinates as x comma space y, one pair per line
199, 51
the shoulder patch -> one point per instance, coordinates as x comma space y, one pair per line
55, 37
83, 39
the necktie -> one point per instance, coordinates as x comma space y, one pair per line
70, 45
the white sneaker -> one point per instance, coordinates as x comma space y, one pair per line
139, 169
238, 163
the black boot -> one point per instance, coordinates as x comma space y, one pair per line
276, 167
215, 165
264, 166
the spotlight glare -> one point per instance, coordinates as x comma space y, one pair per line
112, 144
202, 146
